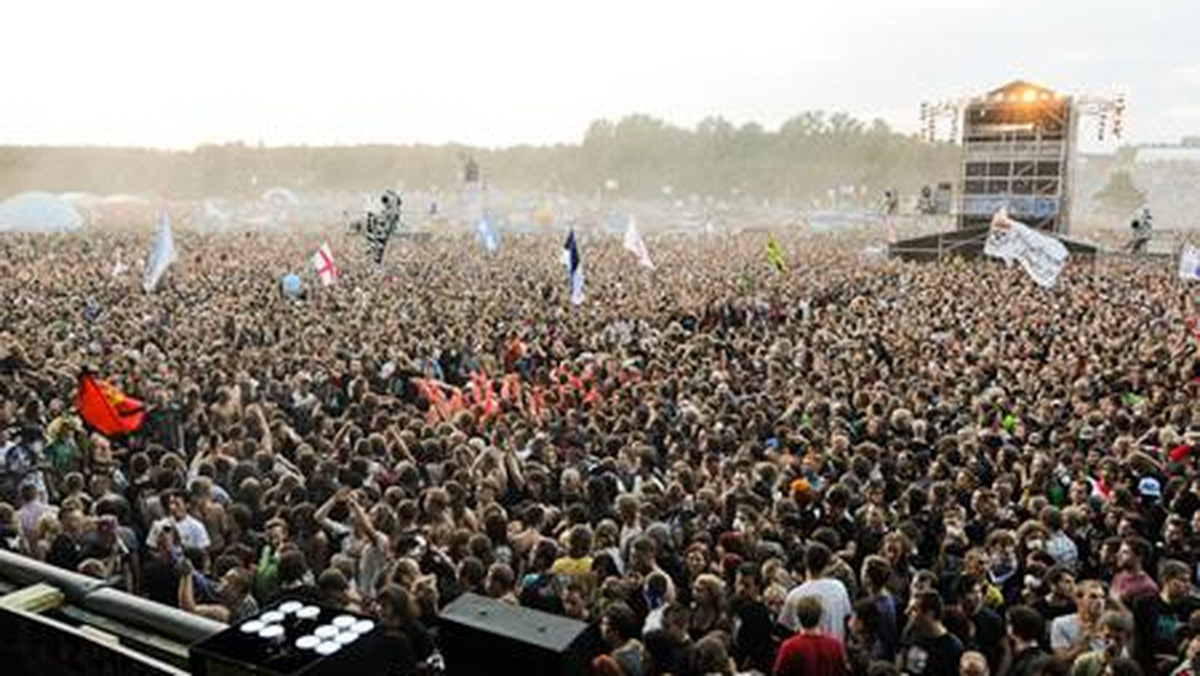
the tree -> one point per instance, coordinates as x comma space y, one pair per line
806, 156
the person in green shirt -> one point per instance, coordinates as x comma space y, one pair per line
266, 573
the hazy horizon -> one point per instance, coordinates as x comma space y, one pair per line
137, 74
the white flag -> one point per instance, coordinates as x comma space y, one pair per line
322, 262
487, 235
635, 245
161, 256
1189, 263
1042, 256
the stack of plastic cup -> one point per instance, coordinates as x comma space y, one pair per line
307, 617
329, 643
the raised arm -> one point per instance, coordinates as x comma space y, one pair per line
186, 597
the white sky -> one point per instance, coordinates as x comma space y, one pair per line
175, 73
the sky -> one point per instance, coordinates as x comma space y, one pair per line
177, 73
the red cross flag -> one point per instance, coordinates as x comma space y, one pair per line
322, 262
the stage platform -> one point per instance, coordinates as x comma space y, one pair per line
968, 243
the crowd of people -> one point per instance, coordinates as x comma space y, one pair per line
858, 466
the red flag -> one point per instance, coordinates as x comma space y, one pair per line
106, 409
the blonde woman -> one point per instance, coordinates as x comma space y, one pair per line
48, 530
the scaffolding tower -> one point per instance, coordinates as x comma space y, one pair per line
1018, 149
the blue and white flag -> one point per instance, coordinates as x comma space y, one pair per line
161, 256
1189, 263
488, 237
574, 264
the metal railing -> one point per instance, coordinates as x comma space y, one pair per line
98, 597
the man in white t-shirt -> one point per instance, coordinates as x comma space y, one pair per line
192, 533
835, 602
1078, 633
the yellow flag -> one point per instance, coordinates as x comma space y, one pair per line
775, 255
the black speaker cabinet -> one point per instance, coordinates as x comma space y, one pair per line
480, 635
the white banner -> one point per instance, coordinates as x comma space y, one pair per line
161, 256
1042, 256
1189, 263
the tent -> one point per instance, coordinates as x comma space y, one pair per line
280, 197
38, 212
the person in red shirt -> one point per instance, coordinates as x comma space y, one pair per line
810, 652
1133, 581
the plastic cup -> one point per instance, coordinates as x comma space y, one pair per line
272, 633
363, 626
271, 617
344, 622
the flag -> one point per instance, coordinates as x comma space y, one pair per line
634, 245
378, 231
106, 409
161, 256
574, 265
488, 237
322, 262
1042, 256
1189, 263
379, 228
775, 255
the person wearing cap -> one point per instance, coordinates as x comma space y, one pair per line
1149, 488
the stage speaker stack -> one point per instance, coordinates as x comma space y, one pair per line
480, 635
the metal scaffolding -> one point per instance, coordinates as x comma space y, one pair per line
1018, 146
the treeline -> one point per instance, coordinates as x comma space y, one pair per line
808, 155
